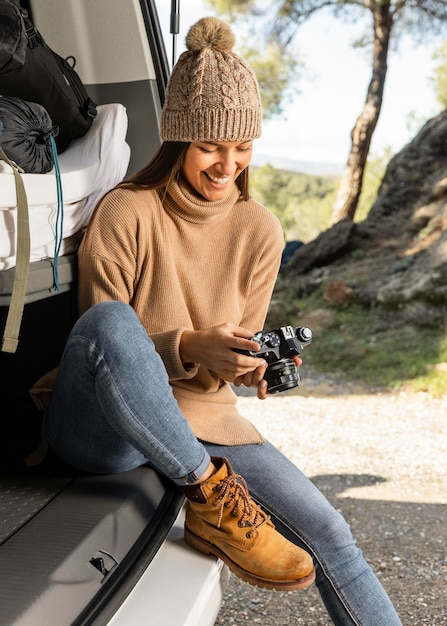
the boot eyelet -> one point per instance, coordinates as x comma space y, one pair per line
240, 524
249, 535
234, 513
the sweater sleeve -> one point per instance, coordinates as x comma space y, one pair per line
167, 344
108, 252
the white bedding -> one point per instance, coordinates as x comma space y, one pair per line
89, 167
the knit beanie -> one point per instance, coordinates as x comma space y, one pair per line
212, 93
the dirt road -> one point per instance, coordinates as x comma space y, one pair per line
381, 459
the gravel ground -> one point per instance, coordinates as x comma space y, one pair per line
381, 460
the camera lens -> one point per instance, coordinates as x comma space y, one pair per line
281, 376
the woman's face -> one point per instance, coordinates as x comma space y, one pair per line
211, 167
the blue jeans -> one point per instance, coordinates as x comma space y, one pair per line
113, 409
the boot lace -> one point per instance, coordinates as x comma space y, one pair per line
233, 490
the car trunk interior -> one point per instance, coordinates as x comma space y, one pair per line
63, 534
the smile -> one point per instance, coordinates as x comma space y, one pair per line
219, 181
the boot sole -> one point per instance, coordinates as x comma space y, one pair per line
204, 547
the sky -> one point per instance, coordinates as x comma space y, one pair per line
315, 127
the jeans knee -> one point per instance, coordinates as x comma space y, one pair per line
108, 312
111, 325
109, 318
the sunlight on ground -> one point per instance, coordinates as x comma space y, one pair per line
415, 491
389, 447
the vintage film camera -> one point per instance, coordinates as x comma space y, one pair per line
277, 348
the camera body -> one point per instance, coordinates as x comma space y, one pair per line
278, 347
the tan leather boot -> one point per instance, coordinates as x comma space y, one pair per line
223, 520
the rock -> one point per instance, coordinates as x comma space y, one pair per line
339, 294
431, 213
327, 247
396, 259
403, 289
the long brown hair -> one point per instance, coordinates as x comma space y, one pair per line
165, 164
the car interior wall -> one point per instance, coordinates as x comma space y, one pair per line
44, 330
114, 65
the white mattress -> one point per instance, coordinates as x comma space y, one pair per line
89, 167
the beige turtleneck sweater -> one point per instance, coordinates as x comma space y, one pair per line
185, 264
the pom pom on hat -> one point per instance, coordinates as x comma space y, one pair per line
210, 32
212, 93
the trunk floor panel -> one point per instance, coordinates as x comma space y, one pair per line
65, 537
23, 495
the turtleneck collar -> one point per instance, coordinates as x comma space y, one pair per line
179, 199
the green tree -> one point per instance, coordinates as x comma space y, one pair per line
276, 73
281, 19
439, 79
268, 184
301, 202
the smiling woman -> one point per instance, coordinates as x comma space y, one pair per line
211, 168
213, 101
176, 272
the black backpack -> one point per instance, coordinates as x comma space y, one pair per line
12, 37
45, 78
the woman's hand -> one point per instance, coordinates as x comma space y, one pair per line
214, 349
256, 379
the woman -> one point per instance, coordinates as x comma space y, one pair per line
175, 273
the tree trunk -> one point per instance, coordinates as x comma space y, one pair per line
351, 183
